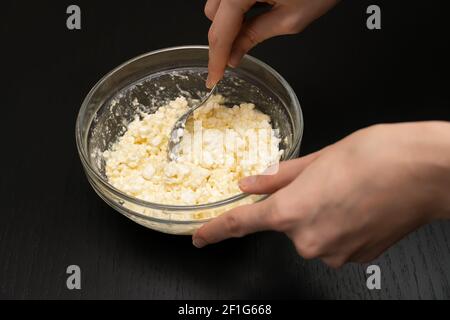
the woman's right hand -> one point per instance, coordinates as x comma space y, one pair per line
230, 37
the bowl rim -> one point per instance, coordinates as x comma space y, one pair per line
153, 205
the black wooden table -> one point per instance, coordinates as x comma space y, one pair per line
346, 78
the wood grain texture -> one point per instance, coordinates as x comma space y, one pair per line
346, 78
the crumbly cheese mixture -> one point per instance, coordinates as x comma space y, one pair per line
220, 146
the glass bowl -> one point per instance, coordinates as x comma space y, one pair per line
153, 79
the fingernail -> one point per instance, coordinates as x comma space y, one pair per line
247, 182
272, 170
234, 60
199, 242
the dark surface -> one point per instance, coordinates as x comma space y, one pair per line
346, 77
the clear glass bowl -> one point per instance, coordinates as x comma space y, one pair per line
159, 76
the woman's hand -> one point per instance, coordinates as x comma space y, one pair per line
351, 200
230, 37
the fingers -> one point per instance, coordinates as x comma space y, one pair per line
224, 30
287, 172
278, 21
236, 223
260, 216
211, 7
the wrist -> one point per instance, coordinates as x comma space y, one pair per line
431, 155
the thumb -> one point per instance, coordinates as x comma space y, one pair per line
237, 222
278, 21
287, 172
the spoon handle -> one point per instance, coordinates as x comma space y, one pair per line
205, 98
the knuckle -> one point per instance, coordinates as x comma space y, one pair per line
208, 11
290, 25
274, 221
308, 252
334, 262
235, 3
213, 38
251, 36
274, 216
233, 225
308, 249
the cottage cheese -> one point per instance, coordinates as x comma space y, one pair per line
220, 146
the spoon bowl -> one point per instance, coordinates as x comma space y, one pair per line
177, 133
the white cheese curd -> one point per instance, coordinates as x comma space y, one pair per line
220, 146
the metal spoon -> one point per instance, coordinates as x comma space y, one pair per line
176, 135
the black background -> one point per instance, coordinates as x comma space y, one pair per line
346, 78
